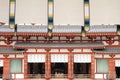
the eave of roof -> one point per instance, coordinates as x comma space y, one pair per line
95, 45
114, 50
7, 50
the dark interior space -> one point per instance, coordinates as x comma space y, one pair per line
61, 68
36, 68
117, 72
82, 68
1, 72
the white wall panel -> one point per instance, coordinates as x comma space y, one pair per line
1, 62
117, 63
19, 75
41, 50
31, 50
36, 58
77, 50
117, 56
11, 56
20, 56
98, 55
87, 50
82, 58
107, 56
54, 50
59, 58
1, 56
64, 50
31, 11
98, 75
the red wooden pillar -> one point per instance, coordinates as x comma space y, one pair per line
70, 64
111, 68
6, 69
92, 66
48, 65
25, 65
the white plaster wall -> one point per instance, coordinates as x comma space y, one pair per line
65, 11
20, 56
41, 50
77, 50
31, 11
4, 11
117, 56
104, 12
11, 56
98, 55
1, 56
68, 12
19, 75
1, 63
64, 50
87, 50
98, 75
31, 50
107, 56
54, 50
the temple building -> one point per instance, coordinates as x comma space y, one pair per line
59, 40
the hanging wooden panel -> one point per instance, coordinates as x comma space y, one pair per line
59, 58
38, 58
86, 15
12, 13
50, 16
82, 58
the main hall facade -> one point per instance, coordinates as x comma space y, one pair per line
59, 40
68, 55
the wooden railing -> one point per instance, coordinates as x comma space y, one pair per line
59, 75
82, 75
7, 77
111, 76
36, 76
1, 75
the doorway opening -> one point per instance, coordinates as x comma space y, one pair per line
59, 69
36, 70
1, 72
82, 70
117, 72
